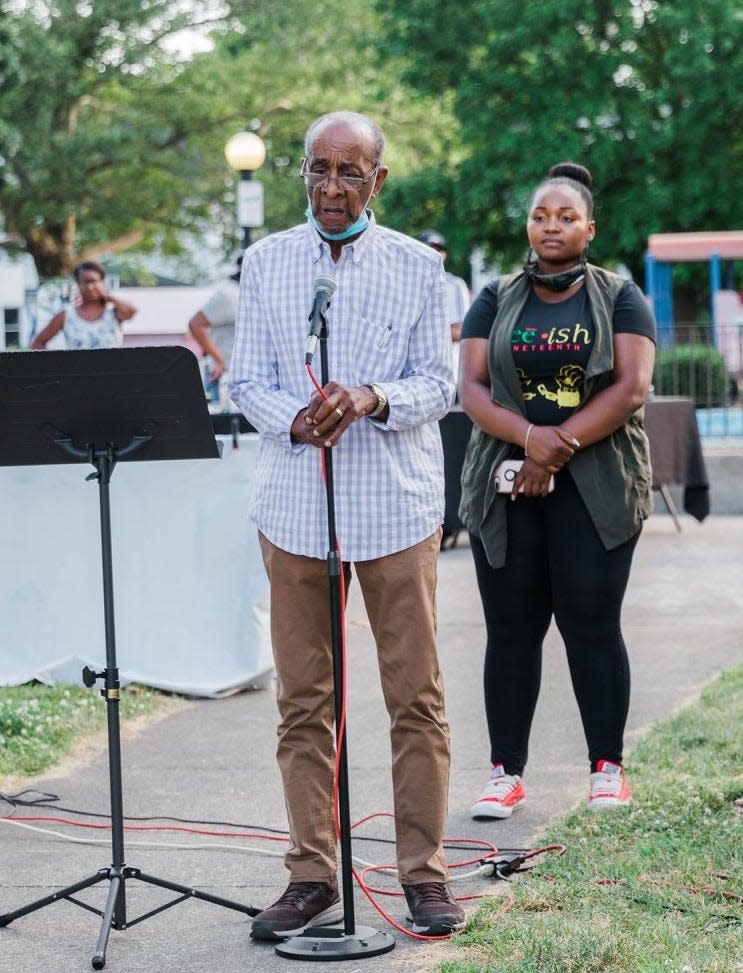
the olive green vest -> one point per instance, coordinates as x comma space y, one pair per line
613, 476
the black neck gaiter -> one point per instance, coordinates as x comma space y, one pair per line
555, 282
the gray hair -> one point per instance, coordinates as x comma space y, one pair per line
354, 120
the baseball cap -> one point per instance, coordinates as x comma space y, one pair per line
433, 238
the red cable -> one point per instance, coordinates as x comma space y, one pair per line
340, 735
339, 744
342, 709
545, 848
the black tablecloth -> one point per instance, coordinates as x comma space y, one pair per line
230, 423
676, 450
455, 433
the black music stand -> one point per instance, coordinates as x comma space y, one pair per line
100, 407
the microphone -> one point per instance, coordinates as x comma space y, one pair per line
324, 289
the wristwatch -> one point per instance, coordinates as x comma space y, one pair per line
381, 401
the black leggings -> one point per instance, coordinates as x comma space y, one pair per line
555, 565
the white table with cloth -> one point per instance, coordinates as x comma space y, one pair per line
190, 592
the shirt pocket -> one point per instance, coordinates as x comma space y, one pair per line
379, 350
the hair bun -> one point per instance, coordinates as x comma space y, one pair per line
571, 170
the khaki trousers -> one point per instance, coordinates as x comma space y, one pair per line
400, 596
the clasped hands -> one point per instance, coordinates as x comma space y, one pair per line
550, 448
325, 420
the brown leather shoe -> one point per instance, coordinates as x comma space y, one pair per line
302, 905
432, 909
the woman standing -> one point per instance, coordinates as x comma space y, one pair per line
93, 322
556, 365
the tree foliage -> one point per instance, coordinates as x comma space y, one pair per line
640, 91
109, 142
97, 117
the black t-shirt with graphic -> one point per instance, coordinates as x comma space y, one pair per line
551, 344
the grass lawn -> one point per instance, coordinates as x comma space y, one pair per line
41, 724
654, 888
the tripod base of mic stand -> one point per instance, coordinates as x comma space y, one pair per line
329, 943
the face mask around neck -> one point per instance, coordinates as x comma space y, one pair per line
555, 282
358, 227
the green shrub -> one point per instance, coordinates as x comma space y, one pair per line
697, 371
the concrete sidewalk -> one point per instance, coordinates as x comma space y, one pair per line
214, 761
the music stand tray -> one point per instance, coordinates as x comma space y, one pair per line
101, 407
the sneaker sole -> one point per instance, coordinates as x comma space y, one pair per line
500, 811
608, 802
328, 917
440, 927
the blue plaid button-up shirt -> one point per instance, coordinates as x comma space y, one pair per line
386, 325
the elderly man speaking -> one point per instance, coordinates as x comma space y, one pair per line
389, 354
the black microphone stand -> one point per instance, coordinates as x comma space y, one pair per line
326, 943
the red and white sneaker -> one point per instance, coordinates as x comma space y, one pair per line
501, 795
608, 786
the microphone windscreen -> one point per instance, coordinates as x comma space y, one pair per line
325, 284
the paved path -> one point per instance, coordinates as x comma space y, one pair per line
214, 760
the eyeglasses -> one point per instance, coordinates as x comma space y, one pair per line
348, 184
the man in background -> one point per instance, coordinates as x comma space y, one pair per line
213, 328
457, 293
457, 303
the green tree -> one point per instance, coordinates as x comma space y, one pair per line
96, 120
296, 70
640, 91
109, 143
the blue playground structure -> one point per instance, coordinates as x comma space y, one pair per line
665, 249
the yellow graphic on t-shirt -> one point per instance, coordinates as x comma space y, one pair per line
568, 380
526, 381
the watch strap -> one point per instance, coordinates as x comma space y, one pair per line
381, 401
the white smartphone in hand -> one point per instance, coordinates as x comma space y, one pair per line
505, 474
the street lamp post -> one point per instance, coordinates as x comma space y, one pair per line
245, 153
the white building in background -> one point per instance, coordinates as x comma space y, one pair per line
162, 315
18, 285
481, 273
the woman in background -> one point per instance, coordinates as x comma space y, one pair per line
95, 320
556, 365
